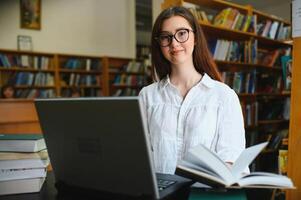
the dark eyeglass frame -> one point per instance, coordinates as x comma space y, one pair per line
171, 36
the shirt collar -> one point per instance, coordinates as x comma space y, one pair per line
206, 81
164, 82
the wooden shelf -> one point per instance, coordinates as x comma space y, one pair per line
225, 33
117, 62
33, 87
273, 95
81, 86
79, 71
246, 95
271, 43
264, 16
219, 5
270, 122
264, 95
128, 73
21, 69
226, 65
77, 56
32, 53
127, 86
229, 34
268, 68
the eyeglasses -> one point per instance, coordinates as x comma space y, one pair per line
181, 36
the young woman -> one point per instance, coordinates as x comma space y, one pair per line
188, 104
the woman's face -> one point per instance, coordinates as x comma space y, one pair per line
8, 92
177, 52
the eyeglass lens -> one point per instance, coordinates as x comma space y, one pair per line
181, 36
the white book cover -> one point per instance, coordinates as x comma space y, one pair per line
273, 30
21, 186
88, 64
45, 63
25, 60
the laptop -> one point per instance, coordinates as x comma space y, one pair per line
102, 144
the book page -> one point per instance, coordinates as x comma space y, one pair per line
43, 155
203, 157
200, 175
260, 179
245, 159
198, 167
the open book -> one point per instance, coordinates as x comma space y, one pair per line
204, 166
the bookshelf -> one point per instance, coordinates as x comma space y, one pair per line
126, 76
251, 49
81, 73
44, 75
143, 51
32, 74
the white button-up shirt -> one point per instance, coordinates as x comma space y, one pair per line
210, 114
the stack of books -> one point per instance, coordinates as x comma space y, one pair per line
23, 163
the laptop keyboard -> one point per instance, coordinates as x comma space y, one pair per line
163, 184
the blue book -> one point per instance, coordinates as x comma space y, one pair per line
286, 63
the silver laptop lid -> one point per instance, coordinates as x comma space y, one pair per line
99, 143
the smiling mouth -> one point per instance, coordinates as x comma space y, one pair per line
176, 52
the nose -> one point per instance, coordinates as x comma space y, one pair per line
174, 42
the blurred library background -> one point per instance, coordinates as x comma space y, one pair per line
92, 48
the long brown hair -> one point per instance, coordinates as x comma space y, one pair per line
202, 58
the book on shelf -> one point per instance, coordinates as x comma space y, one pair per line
240, 82
269, 58
268, 83
34, 62
81, 64
273, 30
204, 166
200, 15
286, 64
22, 142
276, 139
282, 161
14, 160
21, 186
233, 51
248, 109
230, 18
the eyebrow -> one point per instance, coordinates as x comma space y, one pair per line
181, 28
